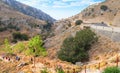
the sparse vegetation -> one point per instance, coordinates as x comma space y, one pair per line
78, 22
104, 7
59, 69
44, 70
112, 70
75, 49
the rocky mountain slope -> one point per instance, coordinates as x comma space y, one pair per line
92, 14
14, 21
25, 9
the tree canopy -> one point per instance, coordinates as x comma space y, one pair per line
36, 47
75, 49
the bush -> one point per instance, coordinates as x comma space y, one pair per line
112, 70
19, 47
75, 49
2, 29
78, 22
104, 7
19, 36
59, 69
44, 71
14, 41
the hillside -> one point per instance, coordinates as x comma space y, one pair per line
22, 18
102, 53
93, 14
27, 10
13, 21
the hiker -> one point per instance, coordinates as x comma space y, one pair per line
8, 59
3, 57
17, 58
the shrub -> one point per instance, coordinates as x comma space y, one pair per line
112, 70
44, 71
78, 22
104, 7
19, 47
2, 29
14, 41
75, 49
59, 69
19, 36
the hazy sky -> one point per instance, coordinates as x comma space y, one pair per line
59, 9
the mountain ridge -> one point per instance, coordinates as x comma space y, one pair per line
28, 10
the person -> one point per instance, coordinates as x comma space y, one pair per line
8, 59
17, 58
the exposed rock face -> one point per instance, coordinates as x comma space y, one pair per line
29, 10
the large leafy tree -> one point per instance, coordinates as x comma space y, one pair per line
75, 49
85, 38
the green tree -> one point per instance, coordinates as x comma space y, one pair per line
75, 48
112, 70
85, 38
104, 7
78, 22
8, 48
36, 47
19, 36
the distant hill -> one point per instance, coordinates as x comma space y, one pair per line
28, 10
12, 21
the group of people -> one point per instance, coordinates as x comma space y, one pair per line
9, 59
6, 58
